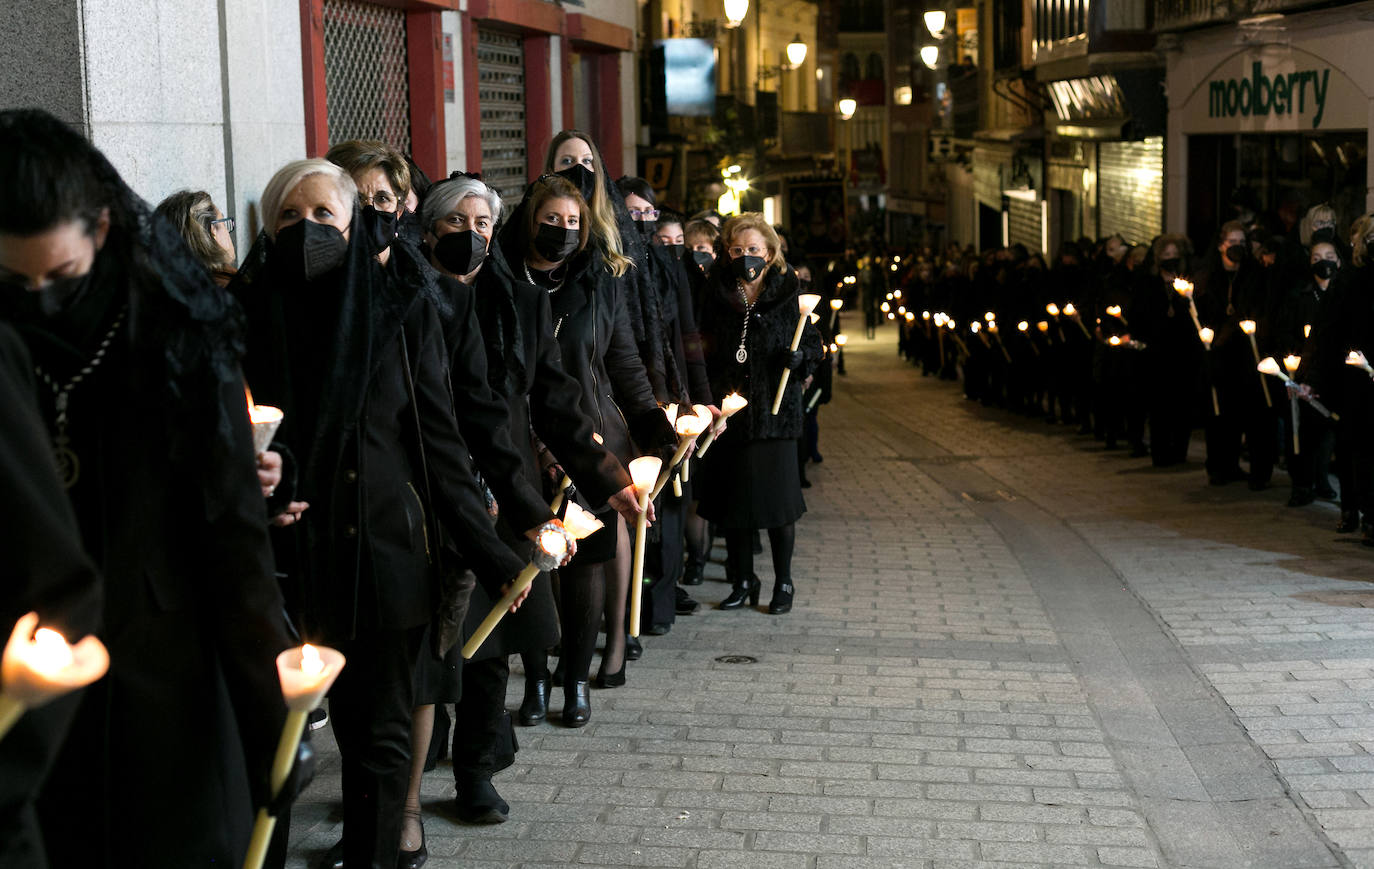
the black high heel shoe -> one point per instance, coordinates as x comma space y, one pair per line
577, 705
748, 591
417, 858
535, 707
610, 680
782, 599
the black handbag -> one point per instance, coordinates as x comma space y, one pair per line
453, 583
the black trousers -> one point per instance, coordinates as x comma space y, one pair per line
1259, 427
370, 707
663, 560
483, 735
1310, 467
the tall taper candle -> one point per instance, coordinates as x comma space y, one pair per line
807, 303
644, 472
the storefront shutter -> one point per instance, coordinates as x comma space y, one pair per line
501, 100
365, 73
1130, 180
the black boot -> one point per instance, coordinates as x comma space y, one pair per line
1350, 521
782, 598
577, 704
536, 704
691, 575
478, 802
748, 591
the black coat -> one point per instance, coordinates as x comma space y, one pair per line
1223, 300
181, 733
45, 570
688, 383
768, 343
367, 536
525, 367
1346, 323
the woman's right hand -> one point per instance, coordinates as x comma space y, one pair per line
627, 505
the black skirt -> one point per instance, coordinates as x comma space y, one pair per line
750, 483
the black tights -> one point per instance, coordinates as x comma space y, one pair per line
586, 596
739, 552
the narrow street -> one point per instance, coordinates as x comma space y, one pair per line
1010, 647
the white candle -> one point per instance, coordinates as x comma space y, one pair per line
38, 666
731, 405
806, 303
644, 472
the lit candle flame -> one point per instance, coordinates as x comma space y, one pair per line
554, 544
1268, 365
974, 327
1247, 326
841, 339
1183, 287
910, 317
1307, 330
734, 402
836, 304
1114, 310
808, 302
885, 307
581, 523
989, 316
925, 315
671, 412
311, 662
1069, 309
1357, 359
1114, 341
1206, 334
1023, 326
691, 425
815, 318
1043, 326
1052, 309
896, 294
1291, 362
49, 653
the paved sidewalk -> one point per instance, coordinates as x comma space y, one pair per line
1010, 648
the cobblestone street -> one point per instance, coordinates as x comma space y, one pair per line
1010, 648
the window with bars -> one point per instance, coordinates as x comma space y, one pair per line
365, 73
501, 102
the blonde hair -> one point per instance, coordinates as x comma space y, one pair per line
755, 221
700, 228
1361, 229
1308, 224
605, 228
190, 212
294, 173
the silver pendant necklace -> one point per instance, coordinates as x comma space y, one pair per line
742, 355
68, 465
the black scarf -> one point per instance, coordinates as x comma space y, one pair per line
501, 328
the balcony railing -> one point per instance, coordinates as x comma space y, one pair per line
1185, 14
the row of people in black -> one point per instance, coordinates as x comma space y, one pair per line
443, 367
1144, 345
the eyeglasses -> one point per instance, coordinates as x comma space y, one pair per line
751, 250
229, 224
381, 200
644, 213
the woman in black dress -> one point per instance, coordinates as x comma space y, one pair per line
749, 479
552, 247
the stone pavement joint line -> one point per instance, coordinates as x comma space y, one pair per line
1009, 649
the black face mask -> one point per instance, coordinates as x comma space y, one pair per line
306, 250
647, 227
1325, 234
748, 268
461, 252
34, 306
582, 178
554, 243
676, 250
703, 259
1237, 253
378, 229
1173, 265
1325, 269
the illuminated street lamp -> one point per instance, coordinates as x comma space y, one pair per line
935, 22
848, 106
735, 10
930, 55
796, 51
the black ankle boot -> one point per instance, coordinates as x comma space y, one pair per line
692, 574
536, 705
782, 598
1350, 521
748, 591
478, 802
577, 704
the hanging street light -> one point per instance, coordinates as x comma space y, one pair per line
735, 10
930, 55
848, 106
935, 22
796, 51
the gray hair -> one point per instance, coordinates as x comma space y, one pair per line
443, 198
294, 173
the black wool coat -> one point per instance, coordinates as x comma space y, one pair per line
524, 366
681, 335
45, 570
771, 326
368, 562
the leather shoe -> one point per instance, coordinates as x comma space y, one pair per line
685, 606
417, 858
478, 802
741, 593
577, 705
610, 680
333, 858
658, 629
535, 707
782, 599
634, 649
692, 573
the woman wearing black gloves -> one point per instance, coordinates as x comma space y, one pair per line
749, 479
523, 367
354, 355
552, 247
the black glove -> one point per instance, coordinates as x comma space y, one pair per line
302, 773
793, 360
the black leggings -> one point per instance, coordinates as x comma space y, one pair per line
739, 553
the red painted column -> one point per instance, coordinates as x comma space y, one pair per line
312, 77
608, 112
425, 59
472, 111
538, 103
569, 105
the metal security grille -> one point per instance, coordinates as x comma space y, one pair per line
501, 100
365, 73
1130, 184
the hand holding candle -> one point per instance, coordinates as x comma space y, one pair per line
549, 549
38, 667
1206, 336
1357, 359
1268, 365
1185, 289
265, 422
731, 405
644, 472
305, 672
806, 303
688, 427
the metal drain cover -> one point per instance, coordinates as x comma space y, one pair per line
736, 659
